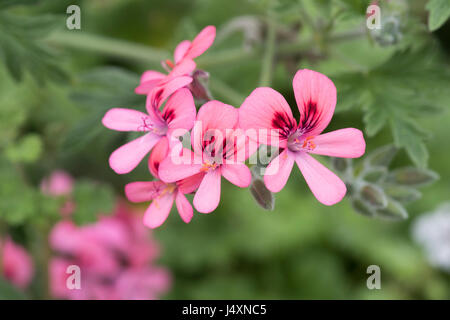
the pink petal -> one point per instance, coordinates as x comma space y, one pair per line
202, 42
266, 109
152, 75
184, 68
172, 171
316, 98
191, 183
128, 156
278, 171
213, 115
207, 197
149, 80
161, 93
181, 49
237, 174
184, 207
141, 191
17, 265
324, 184
179, 111
159, 153
159, 210
125, 119
345, 143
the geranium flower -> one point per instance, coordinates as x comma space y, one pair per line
162, 194
315, 95
17, 266
180, 71
178, 113
214, 155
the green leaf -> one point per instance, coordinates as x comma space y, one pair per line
413, 177
439, 13
92, 199
406, 135
22, 48
381, 157
27, 150
396, 93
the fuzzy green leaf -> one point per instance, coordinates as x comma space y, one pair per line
439, 13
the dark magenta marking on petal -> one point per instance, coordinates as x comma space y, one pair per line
168, 115
311, 117
283, 122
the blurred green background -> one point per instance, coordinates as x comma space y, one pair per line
56, 85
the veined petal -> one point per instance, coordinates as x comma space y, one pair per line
179, 111
159, 210
125, 120
207, 197
128, 156
344, 143
324, 184
184, 207
158, 95
238, 174
191, 183
202, 42
278, 171
266, 109
159, 153
141, 191
316, 99
181, 49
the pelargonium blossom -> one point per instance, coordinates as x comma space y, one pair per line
162, 194
214, 155
112, 254
178, 113
17, 266
180, 71
315, 95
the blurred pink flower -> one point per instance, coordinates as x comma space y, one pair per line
17, 264
315, 95
109, 254
162, 194
178, 113
213, 157
59, 183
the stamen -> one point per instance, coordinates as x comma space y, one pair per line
170, 64
208, 166
309, 144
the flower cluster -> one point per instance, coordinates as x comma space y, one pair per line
115, 255
224, 137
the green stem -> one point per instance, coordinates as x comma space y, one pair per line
269, 55
107, 46
148, 55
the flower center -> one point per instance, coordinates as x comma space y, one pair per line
296, 142
209, 167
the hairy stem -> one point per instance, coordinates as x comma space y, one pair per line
269, 55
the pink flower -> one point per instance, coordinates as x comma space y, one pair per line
59, 183
162, 194
180, 71
17, 265
178, 113
214, 156
315, 94
111, 254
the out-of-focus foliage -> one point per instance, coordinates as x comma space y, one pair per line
393, 84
